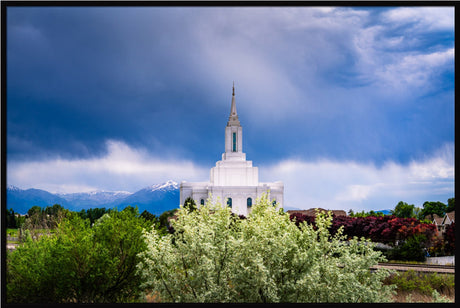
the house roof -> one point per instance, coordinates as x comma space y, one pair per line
437, 220
449, 218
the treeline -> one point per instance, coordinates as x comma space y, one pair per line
48, 217
405, 210
110, 256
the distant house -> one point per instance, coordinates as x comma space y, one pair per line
437, 221
449, 218
442, 222
312, 212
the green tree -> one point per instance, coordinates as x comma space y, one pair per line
131, 209
404, 210
364, 214
93, 214
149, 216
11, 221
410, 250
34, 210
214, 256
418, 213
190, 204
54, 210
431, 207
164, 222
36, 219
79, 263
450, 205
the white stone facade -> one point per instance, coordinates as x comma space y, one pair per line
233, 181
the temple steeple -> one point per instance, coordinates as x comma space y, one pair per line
233, 118
233, 134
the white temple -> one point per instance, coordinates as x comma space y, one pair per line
233, 181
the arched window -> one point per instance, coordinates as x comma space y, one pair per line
229, 202
234, 142
249, 202
202, 201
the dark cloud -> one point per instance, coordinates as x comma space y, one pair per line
308, 82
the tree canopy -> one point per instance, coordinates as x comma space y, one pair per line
214, 256
433, 207
404, 210
450, 205
80, 263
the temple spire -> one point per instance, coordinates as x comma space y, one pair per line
233, 118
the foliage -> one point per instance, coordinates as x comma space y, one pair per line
11, 219
424, 283
411, 249
190, 204
365, 214
386, 229
449, 239
42, 220
450, 205
53, 210
79, 263
149, 216
438, 298
404, 210
12, 232
164, 226
34, 210
93, 214
214, 256
430, 208
444, 245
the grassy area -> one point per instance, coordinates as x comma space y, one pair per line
12, 232
417, 297
418, 287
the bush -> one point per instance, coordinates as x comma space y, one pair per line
79, 263
384, 229
424, 283
410, 250
214, 256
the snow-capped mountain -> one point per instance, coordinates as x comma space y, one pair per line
155, 198
169, 185
91, 199
13, 188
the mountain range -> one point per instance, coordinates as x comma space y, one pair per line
156, 199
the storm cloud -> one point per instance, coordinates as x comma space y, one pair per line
365, 86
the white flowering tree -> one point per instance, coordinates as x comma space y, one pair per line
214, 256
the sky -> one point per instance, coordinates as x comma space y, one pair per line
351, 107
